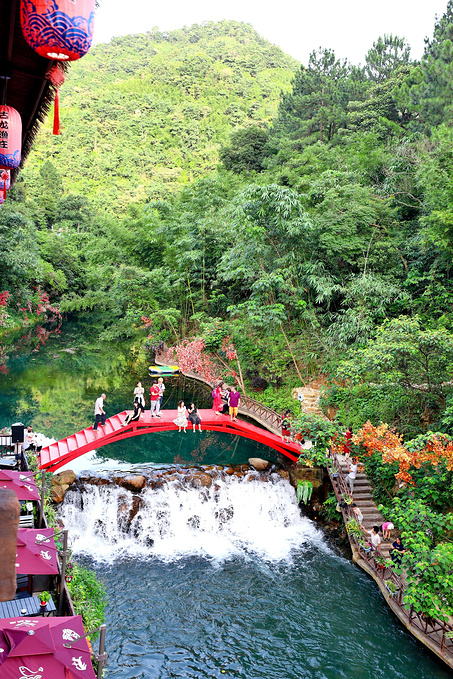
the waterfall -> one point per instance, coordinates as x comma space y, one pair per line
249, 516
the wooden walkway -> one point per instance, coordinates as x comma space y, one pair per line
434, 634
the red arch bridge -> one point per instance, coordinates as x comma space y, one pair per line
60, 453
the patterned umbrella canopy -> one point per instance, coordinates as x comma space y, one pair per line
36, 648
36, 552
22, 483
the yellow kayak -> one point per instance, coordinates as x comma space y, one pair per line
164, 369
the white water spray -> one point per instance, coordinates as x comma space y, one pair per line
235, 516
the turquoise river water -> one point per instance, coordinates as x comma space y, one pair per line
237, 583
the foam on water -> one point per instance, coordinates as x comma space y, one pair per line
234, 517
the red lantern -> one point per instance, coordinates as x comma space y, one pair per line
10, 138
61, 30
5, 183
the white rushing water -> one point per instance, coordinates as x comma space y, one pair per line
235, 516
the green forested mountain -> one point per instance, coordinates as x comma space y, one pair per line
207, 183
147, 113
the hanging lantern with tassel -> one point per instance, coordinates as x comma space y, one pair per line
60, 30
10, 138
5, 183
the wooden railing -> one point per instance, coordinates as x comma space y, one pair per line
268, 417
437, 631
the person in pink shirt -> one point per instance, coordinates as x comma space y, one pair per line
233, 402
155, 400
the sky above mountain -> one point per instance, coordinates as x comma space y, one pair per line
297, 26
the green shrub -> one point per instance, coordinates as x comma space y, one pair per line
88, 596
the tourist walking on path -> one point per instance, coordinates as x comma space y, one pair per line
233, 403
352, 468
286, 426
358, 514
161, 385
181, 420
139, 396
134, 416
217, 399
99, 412
155, 402
347, 445
194, 416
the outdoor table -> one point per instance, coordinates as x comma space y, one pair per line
32, 605
8, 463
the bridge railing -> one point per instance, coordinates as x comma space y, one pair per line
248, 405
439, 632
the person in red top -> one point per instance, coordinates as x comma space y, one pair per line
233, 402
347, 446
217, 402
155, 400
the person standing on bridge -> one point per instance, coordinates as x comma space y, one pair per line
139, 397
233, 402
155, 400
286, 426
99, 412
161, 385
217, 399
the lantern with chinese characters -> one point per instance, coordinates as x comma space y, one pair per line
10, 138
61, 30
5, 183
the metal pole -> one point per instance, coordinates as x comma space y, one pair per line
17, 454
102, 655
63, 571
43, 492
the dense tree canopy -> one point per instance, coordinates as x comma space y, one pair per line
203, 174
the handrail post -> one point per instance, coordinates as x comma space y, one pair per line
102, 659
63, 571
43, 490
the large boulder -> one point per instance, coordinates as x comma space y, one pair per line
258, 464
64, 478
199, 478
60, 484
134, 482
58, 493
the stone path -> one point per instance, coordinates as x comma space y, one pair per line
365, 502
310, 404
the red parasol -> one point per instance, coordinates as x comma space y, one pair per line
34, 648
36, 552
22, 483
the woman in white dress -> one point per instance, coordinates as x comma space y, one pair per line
139, 396
181, 420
